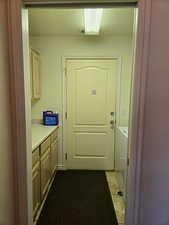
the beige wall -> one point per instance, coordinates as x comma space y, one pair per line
52, 49
6, 189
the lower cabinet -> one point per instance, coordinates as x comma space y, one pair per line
44, 161
36, 188
54, 155
45, 172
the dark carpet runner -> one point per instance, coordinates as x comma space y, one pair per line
79, 198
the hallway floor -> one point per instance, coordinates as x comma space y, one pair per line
117, 200
79, 197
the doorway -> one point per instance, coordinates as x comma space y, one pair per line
95, 82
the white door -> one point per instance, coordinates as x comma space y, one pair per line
91, 90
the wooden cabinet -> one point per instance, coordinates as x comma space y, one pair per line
45, 145
36, 188
45, 172
44, 162
45, 166
35, 73
35, 156
54, 155
54, 136
54, 150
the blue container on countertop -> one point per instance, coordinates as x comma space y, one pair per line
50, 118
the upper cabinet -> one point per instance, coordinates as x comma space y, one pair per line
35, 73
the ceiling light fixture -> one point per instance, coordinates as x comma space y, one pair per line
92, 21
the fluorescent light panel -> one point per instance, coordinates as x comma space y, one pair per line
93, 19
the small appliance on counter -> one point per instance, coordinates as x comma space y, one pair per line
50, 118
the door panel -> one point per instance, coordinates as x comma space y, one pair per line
93, 94
36, 188
45, 172
91, 89
54, 155
35, 74
89, 144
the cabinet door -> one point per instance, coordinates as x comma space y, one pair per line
54, 155
36, 188
45, 172
35, 74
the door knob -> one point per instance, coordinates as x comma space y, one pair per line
112, 122
112, 113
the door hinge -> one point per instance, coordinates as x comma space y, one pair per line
65, 156
66, 115
65, 71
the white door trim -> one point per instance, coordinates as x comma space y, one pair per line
19, 119
64, 81
21, 172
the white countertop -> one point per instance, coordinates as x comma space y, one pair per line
40, 133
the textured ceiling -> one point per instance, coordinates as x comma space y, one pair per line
117, 21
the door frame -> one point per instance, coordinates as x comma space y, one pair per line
64, 86
19, 119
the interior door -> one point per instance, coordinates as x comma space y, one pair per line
91, 90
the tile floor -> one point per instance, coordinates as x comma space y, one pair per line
117, 200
